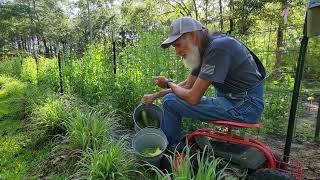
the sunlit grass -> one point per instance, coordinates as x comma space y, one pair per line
18, 158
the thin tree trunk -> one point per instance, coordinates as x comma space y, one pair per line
19, 43
51, 49
89, 22
195, 9
279, 49
221, 18
231, 21
60, 69
206, 13
35, 56
45, 47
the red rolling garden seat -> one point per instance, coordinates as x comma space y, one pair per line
235, 124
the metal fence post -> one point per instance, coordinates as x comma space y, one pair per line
316, 136
296, 89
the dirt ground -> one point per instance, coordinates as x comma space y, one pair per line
308, 153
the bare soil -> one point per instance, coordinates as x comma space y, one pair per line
306, 152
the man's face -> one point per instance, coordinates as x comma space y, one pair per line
188, 51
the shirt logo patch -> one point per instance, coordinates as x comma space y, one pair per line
208, 69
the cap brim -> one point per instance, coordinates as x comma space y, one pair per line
170, 40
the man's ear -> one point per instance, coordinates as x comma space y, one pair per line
194, 37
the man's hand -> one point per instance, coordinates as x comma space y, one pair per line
148, 98
160, 81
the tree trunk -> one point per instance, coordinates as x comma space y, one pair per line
221, 18
206, 13
45, 47
231, 21
35, 56
19, 43
89, 22
51, 51
279, 49
195, 9
60, 68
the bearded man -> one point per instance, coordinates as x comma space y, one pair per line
218, 60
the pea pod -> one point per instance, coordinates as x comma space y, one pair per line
144, 118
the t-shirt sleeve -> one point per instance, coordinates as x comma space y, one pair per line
196, 71
216, 65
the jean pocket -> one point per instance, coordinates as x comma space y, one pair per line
247, 110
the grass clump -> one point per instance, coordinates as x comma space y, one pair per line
52, 115
192, 165
89, 130
110, 162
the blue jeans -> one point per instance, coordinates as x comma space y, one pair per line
244, 107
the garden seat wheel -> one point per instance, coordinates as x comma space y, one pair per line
269, 174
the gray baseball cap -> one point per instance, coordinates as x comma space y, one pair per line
179, 27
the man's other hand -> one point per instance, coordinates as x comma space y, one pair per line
160, 81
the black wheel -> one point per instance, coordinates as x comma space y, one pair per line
269, 174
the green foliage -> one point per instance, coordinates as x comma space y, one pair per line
11, 67
90, 77
277, 105
304, 131
48, 77
29, 70
12, 102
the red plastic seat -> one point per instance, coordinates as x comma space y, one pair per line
236, 124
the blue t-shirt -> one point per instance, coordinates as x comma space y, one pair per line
229, 64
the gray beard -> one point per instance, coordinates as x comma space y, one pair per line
192, 59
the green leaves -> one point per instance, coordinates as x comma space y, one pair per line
11, 97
